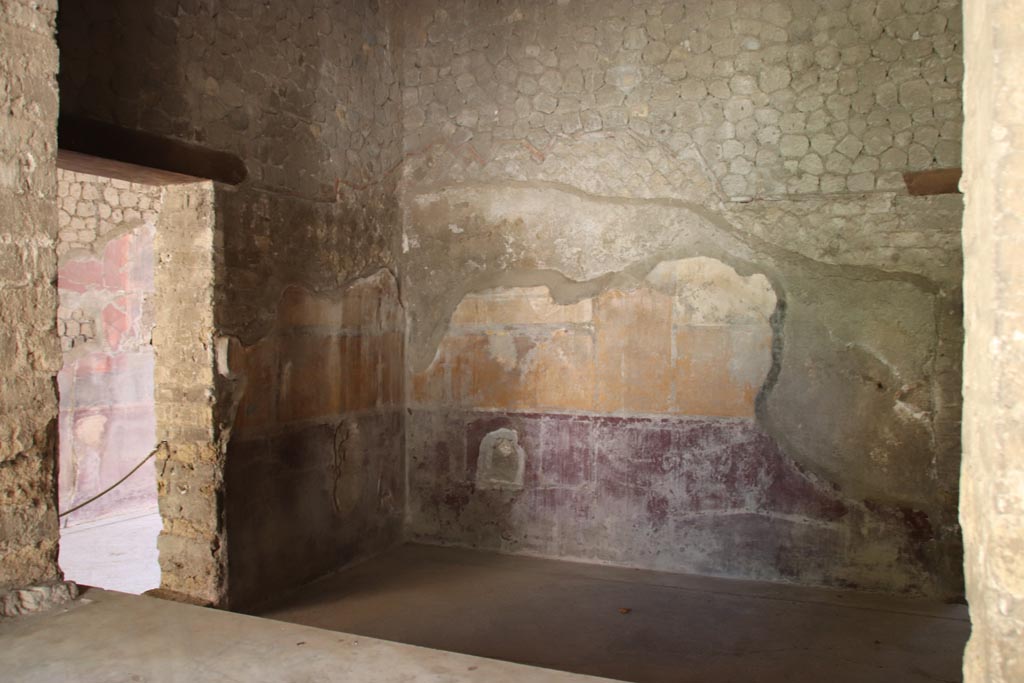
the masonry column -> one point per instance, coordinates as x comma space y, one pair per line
992, 487
29, 348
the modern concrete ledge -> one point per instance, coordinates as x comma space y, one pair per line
108, 636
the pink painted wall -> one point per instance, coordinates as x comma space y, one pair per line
105, 282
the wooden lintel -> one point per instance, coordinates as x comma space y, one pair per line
119, 170
105, 140
934, 181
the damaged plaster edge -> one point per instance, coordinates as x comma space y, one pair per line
252, 333
232, 384
756, 244
565, 291
96, 248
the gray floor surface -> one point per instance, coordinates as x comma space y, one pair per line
634, 625
107, 637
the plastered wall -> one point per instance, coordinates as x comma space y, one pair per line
658, 271
28, 268
992, 499
569, 154
314, 460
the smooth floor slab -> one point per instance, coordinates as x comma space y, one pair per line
634, 625
106, 637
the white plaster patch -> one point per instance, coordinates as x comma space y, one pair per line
89, 430
708, 292
502, 348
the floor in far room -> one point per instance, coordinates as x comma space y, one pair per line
634, 625
115, 553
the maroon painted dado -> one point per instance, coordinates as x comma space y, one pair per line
705, 495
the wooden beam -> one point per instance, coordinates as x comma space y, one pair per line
105, 140
119, 170
935, 181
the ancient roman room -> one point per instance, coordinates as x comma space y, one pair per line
500, 340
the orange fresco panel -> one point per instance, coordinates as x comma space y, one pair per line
480, 379
361, 362
561, 374
429, 386
391, 369
610, 309
466, 353
647, 368
624, 363
348, 348
359, 307
519, 306
373, 351
390, 313
704, 382
467, 312
258, 364
633, 354
299, 307
310, 377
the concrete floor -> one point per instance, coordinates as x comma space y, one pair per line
634, 625
116, 553
112, 637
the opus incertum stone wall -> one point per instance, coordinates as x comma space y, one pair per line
28, 301
562, 156
774, 98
